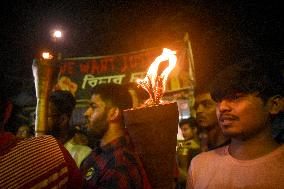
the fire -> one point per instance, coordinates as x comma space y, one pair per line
46, 55
155, 84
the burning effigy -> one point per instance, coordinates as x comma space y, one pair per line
153, 127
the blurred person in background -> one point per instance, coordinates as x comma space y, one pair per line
60, 107
187, 149
37, 162
190, 130
24, 131
210, 135
77, 145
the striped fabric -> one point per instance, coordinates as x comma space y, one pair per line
34, 163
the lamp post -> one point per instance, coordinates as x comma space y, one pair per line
45, 72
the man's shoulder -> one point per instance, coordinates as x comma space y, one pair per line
83, 148
111, 155
39, 142
79, 151
37, 146
211, 155
42, 138
41, 154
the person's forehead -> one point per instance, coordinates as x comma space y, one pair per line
97, 99
23, 127
203, 97
185, 125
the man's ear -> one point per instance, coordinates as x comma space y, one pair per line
114, 114
276, 104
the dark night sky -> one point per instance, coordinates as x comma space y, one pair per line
103, 27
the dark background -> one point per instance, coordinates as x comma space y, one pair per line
102, 27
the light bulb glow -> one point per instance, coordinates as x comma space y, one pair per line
57, 34
46, 55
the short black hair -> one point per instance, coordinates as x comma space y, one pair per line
63, 100
118, 95
201, 89
247, 76
75, 130
191, 121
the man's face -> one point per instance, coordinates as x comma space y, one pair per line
23, 131
243, 116
53, 121
187, 132
205, 111
97, 116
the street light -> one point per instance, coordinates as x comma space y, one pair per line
57, 36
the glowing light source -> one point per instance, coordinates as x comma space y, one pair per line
57, 34
155, 84
46, 55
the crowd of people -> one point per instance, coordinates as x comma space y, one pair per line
234, 141
68, 161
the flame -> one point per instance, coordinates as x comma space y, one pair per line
46, 55
156, 85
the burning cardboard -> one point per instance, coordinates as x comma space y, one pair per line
153, 127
